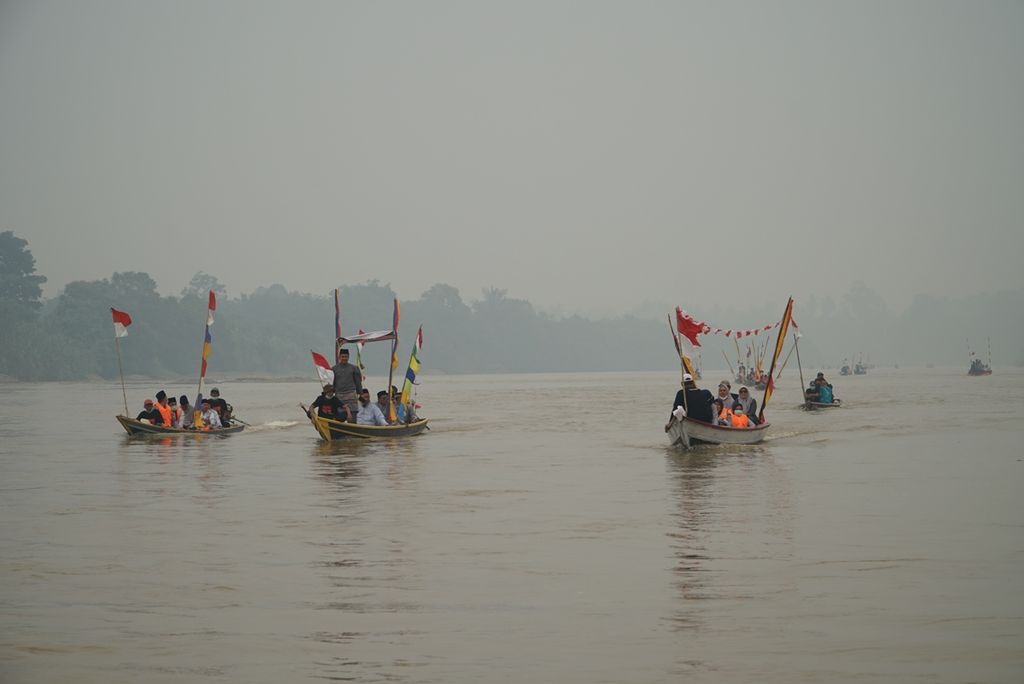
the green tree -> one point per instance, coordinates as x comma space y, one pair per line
20, 287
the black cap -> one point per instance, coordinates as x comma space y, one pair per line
172, 400
161, 395
343, 351
183, 400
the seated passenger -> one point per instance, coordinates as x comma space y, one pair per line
329, 406
175, 412
164, 409
369, 413
384, 404
406, 412
149, 413
222, 407
739, 419
188, 413
748, 403
824, 391
725, 395
209, 417
812, 392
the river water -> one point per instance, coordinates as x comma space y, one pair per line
542, 531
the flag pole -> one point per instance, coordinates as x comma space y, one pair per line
120, 371
786, 361
392, 361
796, 337
731, 371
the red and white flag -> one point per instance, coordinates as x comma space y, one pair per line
323, 369
121, 322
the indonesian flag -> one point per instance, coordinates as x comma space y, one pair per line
212, 308
121, 322
688, 331
323, 369
688, 328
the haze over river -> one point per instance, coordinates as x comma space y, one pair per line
542, 531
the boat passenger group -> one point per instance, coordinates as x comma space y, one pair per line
213, 412
346, 400
729, 409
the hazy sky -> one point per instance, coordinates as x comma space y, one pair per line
583, 155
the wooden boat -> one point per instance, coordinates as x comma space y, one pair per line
142, 427
814, 405
688, 433
331, 430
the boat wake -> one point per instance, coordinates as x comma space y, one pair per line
274, 425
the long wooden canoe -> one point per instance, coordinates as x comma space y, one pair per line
331, 430
143, 427
689, 433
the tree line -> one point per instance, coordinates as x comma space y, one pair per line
270, 331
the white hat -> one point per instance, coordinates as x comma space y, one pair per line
687, 377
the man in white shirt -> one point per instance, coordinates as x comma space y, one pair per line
369, 414
209, 417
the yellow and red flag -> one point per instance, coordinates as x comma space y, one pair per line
780, 342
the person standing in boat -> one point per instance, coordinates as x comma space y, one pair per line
748, 403
328, 406
369, 413
348, 382
697, 402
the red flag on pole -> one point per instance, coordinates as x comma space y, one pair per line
121, 322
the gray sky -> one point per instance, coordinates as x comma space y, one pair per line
584, 155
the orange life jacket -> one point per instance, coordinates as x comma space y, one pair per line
165, 414
726, 415
740, 421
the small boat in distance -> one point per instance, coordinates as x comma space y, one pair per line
813, 405
977, 366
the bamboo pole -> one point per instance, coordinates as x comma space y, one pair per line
800, 366
120, 371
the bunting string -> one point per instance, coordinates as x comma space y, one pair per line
737, 334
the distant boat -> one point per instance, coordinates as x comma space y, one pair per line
977, 366
813, 405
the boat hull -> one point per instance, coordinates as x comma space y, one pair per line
334, 430
688, 433
814, 405
139, 428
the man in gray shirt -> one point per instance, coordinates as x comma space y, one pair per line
348, 382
